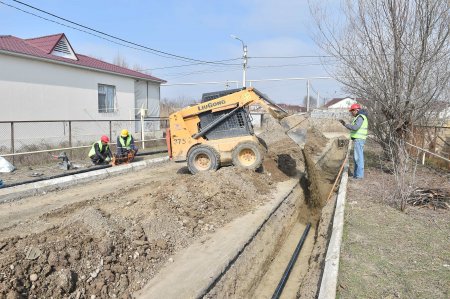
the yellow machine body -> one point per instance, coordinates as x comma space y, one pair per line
184, 123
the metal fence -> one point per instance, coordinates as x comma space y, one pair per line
20, 137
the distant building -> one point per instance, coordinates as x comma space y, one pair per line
340, 103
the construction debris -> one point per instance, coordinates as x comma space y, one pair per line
432, 198
65, 163
5, 166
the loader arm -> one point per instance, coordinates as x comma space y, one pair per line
220, 122
243, 98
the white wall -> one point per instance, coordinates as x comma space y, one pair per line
36, 90
344, 104
256, 119
147, 96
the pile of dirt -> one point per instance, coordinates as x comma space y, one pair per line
111, 245
282, 149
330, 125
315, 141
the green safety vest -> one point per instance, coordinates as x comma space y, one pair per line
361, 133
125, 143
100, 146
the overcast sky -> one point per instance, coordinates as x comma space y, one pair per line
197, 30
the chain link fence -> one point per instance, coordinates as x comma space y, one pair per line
21, 138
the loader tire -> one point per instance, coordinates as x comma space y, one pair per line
248, 155
202, 158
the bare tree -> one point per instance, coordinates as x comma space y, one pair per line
120, 60
312, 101
395, 54
168, 106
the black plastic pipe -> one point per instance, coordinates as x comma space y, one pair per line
74, 172
151, 153
291, 264
55, 176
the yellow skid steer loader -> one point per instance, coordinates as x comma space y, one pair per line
218, 131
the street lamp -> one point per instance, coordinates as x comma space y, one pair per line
244, 48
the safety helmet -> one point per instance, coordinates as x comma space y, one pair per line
354, 107
124, 133
104, 139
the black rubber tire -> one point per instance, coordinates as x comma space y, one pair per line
251, 149
204, 153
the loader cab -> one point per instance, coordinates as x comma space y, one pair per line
238, 124
218, 94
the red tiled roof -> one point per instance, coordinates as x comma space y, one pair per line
46, 43
333, 101
291, 107
42, 46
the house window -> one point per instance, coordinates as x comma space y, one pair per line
106, 98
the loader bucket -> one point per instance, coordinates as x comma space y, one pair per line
295, 127
298, 136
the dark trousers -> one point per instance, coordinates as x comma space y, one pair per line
97, 160
123, 151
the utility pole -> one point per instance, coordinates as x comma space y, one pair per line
307, 95
244, 48
318, 100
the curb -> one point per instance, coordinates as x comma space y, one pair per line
41, 187
330, 271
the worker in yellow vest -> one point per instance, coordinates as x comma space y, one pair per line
125, 143
100, 152
358, 133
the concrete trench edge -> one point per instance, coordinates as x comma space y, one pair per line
31, 189
331, 269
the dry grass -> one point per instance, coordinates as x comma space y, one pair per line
387, 253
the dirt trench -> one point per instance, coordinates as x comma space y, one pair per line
258, 270
108, 239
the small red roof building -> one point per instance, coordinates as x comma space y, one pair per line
57, 49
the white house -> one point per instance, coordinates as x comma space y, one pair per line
340, 103
44, 78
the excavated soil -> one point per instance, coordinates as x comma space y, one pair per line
110, 245
107, 239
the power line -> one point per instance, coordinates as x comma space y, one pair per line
290, 65
291, 57
199, 72
191, 64
236, 64
154, 51
256, 80
81, 30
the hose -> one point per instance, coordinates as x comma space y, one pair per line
291, 264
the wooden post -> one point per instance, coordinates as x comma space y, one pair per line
434, 139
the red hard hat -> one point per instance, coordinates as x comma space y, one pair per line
104, 139
354, 107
